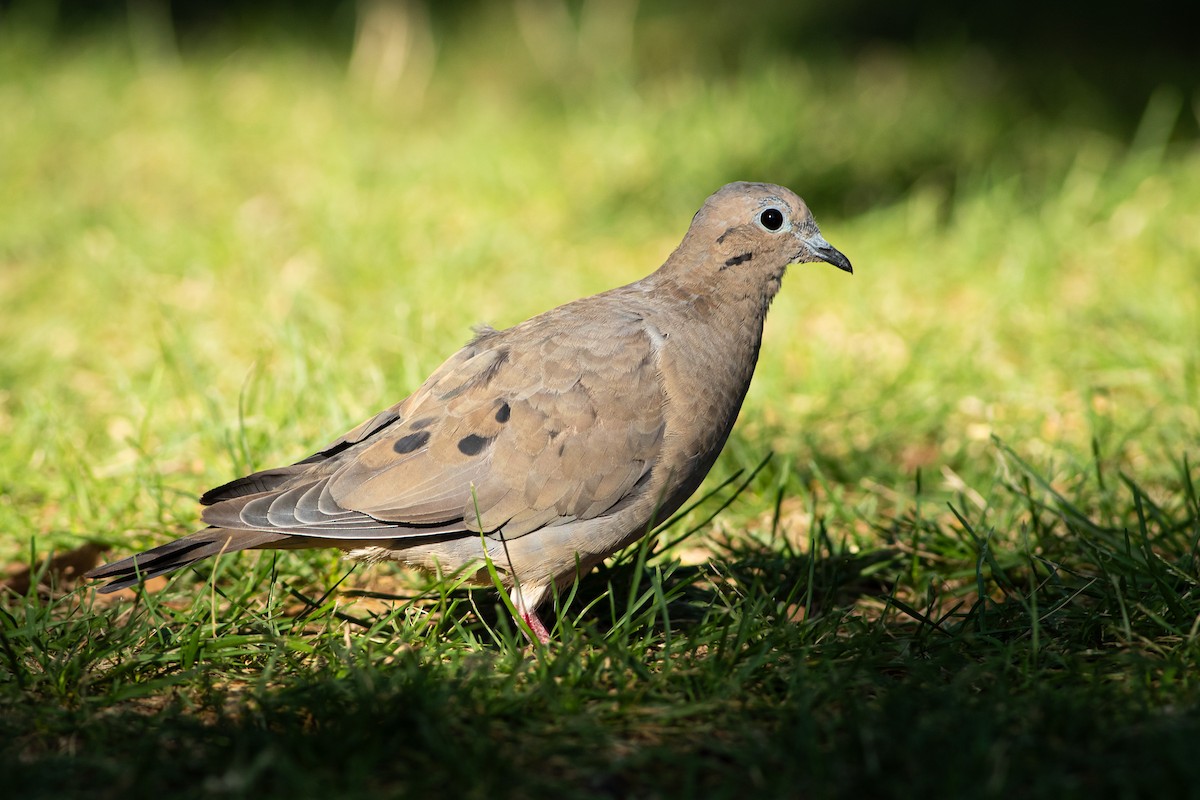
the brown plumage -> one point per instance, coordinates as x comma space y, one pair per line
560, 440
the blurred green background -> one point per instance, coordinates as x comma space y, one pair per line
228, 234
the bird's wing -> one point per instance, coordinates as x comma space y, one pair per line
555, 420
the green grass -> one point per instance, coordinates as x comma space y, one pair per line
969, 566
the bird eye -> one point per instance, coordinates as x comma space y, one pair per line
771, 219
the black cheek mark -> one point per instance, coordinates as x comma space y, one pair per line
721, 238
742, 259
503, 413
413, 441
473, 444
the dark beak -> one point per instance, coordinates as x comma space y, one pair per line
821, 250
835, 257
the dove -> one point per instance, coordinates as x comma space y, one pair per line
544, 447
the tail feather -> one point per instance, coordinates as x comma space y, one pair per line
179, 554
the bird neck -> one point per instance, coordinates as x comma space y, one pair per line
719, 324
718, 311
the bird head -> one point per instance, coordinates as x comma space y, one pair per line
761, 226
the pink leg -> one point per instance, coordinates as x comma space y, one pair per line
535, 624
527, 602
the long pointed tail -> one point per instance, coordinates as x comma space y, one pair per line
179, 554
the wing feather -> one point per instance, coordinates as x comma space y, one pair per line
561, 427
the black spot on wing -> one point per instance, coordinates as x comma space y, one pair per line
742, 259
473, 444
503, 413
411, 442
